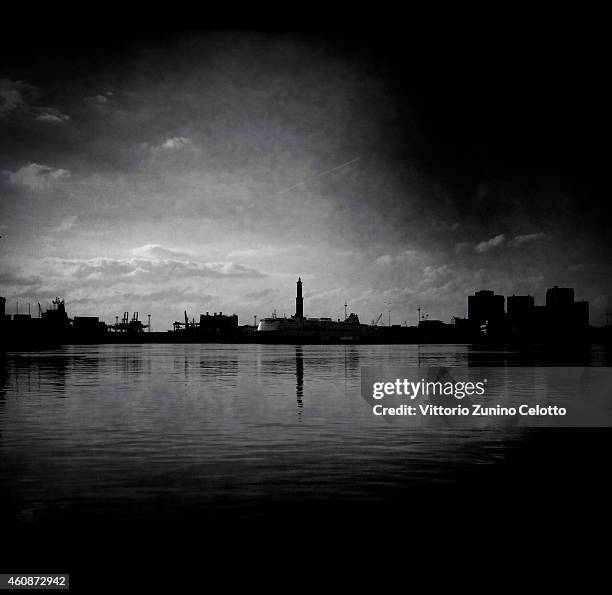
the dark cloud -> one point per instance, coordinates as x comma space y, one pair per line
20, 281
52, 116
259, 295
21, 99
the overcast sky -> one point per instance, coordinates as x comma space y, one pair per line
207, 171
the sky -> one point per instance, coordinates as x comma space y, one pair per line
207, 170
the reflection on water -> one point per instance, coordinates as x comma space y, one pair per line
125, 427
299, 377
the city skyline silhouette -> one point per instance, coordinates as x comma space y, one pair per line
207, 170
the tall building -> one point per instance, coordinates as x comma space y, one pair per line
559, 297
299, 300
485, 309
581, 315
520, 307
564, 316
521, 315
2, 307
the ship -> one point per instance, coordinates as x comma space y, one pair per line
299, 327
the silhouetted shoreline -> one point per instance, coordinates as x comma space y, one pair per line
561, 321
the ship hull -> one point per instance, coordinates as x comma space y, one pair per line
297, 330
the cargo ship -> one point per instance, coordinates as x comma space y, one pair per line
300, 327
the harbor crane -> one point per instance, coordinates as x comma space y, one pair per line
127, 325
177, 325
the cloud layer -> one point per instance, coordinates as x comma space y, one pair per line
20, 99
37, 177
487, 245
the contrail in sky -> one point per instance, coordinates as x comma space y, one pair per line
320, 175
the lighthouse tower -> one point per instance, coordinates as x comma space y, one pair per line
299, 300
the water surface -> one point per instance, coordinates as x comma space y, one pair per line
90, 431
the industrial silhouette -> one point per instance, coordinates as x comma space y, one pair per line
561, 318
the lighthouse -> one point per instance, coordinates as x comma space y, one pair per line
299, 300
